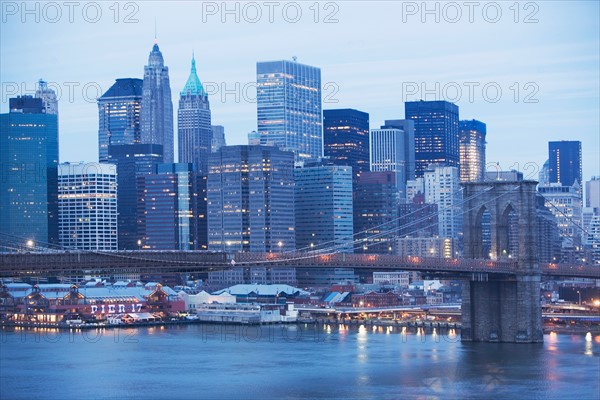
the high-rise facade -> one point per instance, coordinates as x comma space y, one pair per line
29, 161
157, 107
48, 96
592, 192
119, 115
132, 161
565, 162
289, 107
375, 205
346, 138
250, 192
193, 123
436, 133
442, 187
408, 127
387, 154
218, 137
323, 205
169, 208
472, 150
565, 202
87, 206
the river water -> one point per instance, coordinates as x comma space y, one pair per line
274, 362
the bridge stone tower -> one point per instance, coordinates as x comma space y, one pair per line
495, 307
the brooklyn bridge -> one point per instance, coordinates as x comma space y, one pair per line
501, 296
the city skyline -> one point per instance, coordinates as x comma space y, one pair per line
362, 78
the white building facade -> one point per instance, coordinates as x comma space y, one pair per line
442, 187
87, 206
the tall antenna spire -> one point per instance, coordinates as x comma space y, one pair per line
155, 38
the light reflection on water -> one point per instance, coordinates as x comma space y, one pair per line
332, 361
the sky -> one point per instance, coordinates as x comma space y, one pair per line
529, 70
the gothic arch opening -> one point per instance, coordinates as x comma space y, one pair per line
508, 234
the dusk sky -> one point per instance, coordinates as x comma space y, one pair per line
374, 57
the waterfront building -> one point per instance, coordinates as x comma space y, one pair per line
29, 162
565, 162
472, 150
323, 206
250, 193
346, 138
132, 161
394, 278
289, 107
87, 206
119, 115
157, 107
194, 123
436, 133
442, 187
57, 304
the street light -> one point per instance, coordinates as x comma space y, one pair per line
579, 293
30, 243
280, 244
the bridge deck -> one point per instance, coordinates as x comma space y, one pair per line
75, 263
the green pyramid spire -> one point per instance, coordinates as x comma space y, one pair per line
193, 85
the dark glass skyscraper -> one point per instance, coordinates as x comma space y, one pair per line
250, 193
157, 107
169, 207
472, 150
132, 160
346, 138
29, 176
375, 204
119, 114
436, 133
565, 162
289, 107
193, 123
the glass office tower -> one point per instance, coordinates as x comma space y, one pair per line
565, 162
250, 193
472, 150
119, 113
346, 138
436, 133
29, 162
289, 107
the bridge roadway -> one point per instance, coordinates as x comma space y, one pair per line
119, 262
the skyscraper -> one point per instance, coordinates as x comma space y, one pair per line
565, 162
132, 161
157, 107
218, 137
375, 205
289, 107
472, 150
250, 193
87, 206
592, 192
119, 114
390, 150
169, 206
48, 97
29, 161
436, 133
442, 187
323, 205
193, 123
346, 138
